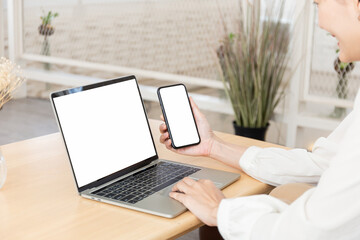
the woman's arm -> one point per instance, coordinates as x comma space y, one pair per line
210, 145
227, 153
329, 211
274, 166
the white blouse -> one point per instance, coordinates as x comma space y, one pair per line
329, 211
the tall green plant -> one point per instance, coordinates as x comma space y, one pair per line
253, 62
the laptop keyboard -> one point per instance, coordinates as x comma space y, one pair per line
146, 182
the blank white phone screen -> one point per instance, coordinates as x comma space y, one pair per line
179, 116
105, 130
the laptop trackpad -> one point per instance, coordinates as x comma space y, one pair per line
165, 191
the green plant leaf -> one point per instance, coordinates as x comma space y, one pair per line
253, 62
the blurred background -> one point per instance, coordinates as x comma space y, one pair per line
61, 44
163, 42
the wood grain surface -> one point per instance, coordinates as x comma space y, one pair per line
39, 199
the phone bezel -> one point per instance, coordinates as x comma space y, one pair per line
166, 120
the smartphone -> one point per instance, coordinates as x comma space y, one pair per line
178, 116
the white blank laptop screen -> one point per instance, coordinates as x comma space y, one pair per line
105, 130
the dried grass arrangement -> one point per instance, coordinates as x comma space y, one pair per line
10, 79
253, 61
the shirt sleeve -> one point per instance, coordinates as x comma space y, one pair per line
330, 211
236, 217
277, 166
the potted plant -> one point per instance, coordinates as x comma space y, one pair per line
342, 70
252, 64
46, 29
10, 79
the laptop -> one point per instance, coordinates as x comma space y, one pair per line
112, 152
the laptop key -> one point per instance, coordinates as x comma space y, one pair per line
120, 196
132, 201
110, 195
146, 188
141, 197
127, 198
136, 199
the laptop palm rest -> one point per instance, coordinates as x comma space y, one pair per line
163, 204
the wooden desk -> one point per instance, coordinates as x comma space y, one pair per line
39, 199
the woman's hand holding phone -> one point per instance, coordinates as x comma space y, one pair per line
206, 134
201, 197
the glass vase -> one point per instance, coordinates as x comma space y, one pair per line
3, 170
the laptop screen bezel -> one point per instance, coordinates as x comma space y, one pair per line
121, 172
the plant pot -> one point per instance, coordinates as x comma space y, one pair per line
46, 30
255, 133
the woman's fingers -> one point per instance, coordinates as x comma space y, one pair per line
184, 185
163, 128
178, 196
201, 197
189, 181
181, 187
168, 144
162, 117
164, 137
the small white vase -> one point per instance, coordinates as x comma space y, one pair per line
3, 170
